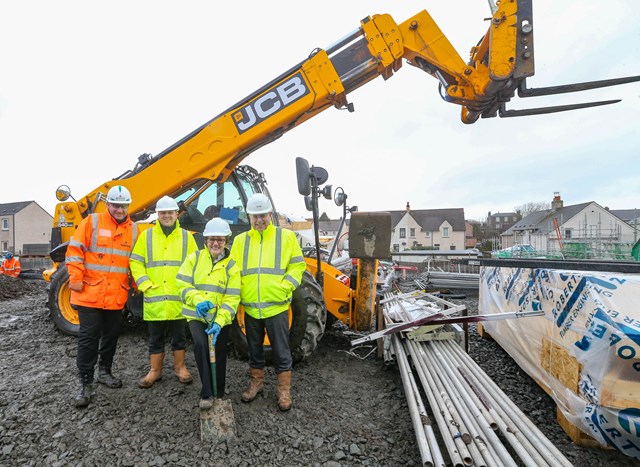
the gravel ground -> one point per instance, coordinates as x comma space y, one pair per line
347, 410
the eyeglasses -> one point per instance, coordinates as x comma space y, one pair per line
211, 241
119, 206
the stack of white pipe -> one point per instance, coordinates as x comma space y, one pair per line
469, 409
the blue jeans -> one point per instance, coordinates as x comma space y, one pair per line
277, 328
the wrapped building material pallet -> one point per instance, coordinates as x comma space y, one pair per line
585, 350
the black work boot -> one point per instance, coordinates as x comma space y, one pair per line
85, 389
105, 377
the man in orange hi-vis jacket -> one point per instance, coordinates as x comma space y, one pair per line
98, 264
10, 266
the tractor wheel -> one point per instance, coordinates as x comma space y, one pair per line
63, 315
307, 320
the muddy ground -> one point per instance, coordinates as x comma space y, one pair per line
347, 410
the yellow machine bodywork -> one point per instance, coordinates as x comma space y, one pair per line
319, 82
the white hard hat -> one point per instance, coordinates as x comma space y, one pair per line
217, 227
119, 195
258, 204
167, 203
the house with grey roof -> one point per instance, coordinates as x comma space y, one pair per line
25, 228
440, 229
585, 230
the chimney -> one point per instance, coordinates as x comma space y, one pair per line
557, 202
408, 207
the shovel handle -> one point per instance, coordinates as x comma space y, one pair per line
212, 365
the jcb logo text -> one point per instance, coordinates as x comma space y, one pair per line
270, 103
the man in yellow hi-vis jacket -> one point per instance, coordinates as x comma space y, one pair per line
271, 265
155, 261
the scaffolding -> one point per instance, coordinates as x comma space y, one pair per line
586, 241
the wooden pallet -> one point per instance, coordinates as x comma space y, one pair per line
565, 368
482, 332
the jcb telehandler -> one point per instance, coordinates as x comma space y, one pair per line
202, 169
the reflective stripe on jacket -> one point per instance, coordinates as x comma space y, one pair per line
200, 279
11, 267
155, 261
271, 267
98, 257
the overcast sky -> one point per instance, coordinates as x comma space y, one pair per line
86, 87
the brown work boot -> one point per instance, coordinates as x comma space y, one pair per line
284, 390
180, 368
155, 373
255, 384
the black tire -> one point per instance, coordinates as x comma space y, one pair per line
309, 318
63, 315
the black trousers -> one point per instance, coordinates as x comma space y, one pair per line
277, 328
98, 336
201, 353
177, 328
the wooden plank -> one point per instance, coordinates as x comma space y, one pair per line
482, 332
576, 434
559, 363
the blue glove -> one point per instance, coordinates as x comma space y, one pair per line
202, 308
215, 330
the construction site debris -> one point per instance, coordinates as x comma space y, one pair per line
348, 411
14, 287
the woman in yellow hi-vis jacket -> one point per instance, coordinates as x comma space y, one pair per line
154, 262
209, 284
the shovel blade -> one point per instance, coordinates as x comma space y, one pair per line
217, 423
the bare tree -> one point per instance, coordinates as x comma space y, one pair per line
532, 206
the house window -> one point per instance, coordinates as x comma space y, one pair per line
412, 233
396, 248
5, 246
427, 234
436, 246
445, 231
403, 232
452, 247
5, 224
567, 233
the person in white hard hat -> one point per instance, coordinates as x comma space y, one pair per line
155, 261
272, 265
209, 284
97, 260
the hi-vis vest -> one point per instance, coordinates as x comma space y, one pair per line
155, 261
98, 257
271, 266
11, 267
201, 279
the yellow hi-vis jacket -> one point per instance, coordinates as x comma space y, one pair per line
204, 278
271, 265
154, 262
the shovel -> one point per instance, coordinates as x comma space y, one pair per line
218, 422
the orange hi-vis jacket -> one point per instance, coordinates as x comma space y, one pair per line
98, 257
11, 267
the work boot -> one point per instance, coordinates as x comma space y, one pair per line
180, 368
105, 377
284, 390
155, 372
206, 404
255, 384
85, 390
